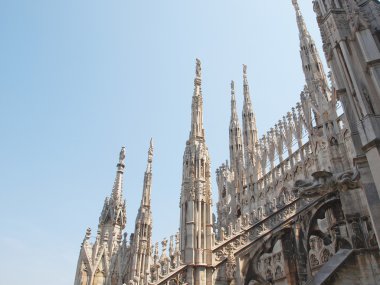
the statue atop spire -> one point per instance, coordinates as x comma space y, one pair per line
150, 157
245, 74
245, 85
117, 191
122, 156
150, 151
234, 117
198, 69
196, 194
148, 177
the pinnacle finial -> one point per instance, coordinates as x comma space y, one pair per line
233, 103
198, 68
244, 70
146, 193
197, 105
117, 190
88, 234
150, 156
150, 151
245, 79
198, 76
245, 84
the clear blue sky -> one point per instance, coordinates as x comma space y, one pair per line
80, 79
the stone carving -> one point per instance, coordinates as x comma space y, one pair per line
313, 260
324, 182
325, 256
230, 265
279, 273
321, 184
348, 180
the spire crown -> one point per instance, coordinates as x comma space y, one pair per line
198, 73
233, 90
197, 130
150, 156
295, 4
117, 191
247, 98
234, 116
245, 74
121, 157
145, 201
300, 21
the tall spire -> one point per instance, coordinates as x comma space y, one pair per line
312, 65
236, 142
141, 244
145, 200
236, 145
249, 131
316, 80
117, 191
197, 130
196, 224
249, 122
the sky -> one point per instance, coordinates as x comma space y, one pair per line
80, 79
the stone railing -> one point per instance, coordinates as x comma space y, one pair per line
246, 236
240, 238
280, 140
176, 275
285, 167
166, 264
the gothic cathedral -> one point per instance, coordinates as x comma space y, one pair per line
299, 205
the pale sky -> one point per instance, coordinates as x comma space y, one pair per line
80, 79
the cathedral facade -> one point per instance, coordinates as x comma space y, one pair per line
300, 205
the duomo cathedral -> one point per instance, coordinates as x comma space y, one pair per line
299, 205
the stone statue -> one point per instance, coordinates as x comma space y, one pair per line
198, 69
122, 155
244, 69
